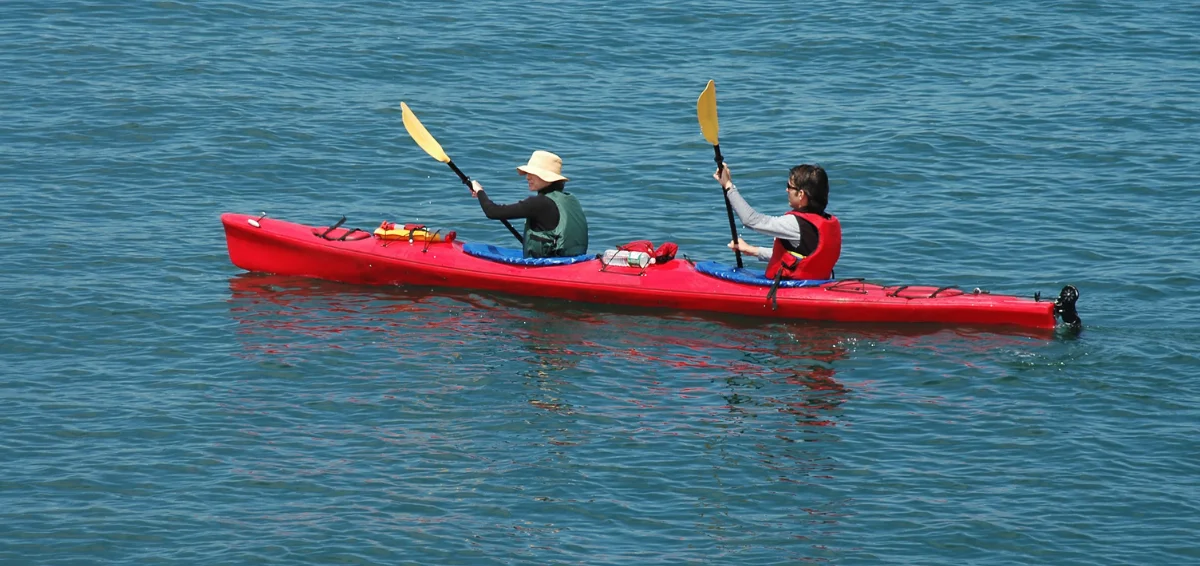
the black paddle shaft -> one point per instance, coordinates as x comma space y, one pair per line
467, 181
728, 208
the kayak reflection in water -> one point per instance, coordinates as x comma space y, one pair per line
555, 225
808, 240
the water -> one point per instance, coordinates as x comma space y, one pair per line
162, 407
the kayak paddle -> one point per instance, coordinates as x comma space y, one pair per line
434, 149
706, 111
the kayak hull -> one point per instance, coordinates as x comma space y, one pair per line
284, 248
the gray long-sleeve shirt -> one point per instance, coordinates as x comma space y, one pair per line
784, 226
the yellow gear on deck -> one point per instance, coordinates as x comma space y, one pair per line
389, 231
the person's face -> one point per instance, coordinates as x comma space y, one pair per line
796, 197
536, 183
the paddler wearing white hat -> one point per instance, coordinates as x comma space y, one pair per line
555, 225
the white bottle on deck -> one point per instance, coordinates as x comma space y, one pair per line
623, 258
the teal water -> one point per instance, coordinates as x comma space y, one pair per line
163, 407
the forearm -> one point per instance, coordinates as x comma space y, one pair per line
775, 226
502, 211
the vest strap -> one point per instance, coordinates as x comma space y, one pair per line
774, 288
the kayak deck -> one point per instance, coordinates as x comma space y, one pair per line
267, 245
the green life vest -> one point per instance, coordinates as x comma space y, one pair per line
569, 238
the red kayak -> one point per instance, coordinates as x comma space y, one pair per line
266, 245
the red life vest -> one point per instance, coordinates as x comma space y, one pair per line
785, 260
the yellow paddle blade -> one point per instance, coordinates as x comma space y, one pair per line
706, 111
421, 135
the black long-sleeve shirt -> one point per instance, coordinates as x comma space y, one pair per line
540, 213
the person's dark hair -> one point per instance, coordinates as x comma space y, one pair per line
812, 180
555, 186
